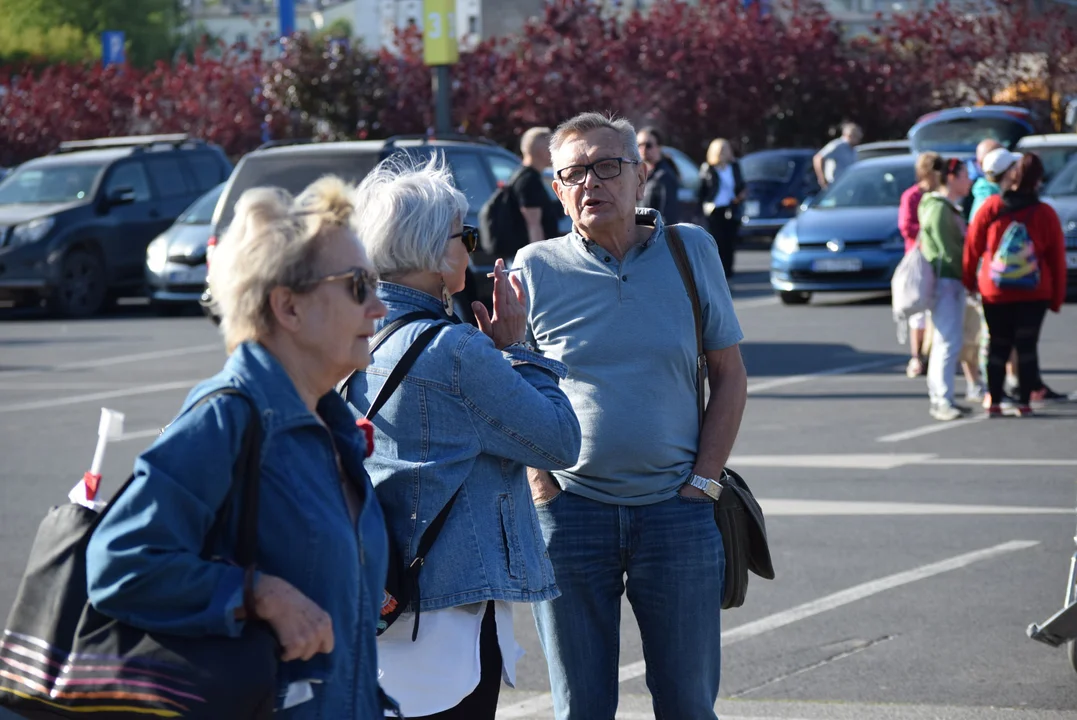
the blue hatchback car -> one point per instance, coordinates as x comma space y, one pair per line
847, 238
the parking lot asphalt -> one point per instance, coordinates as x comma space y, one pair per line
910, 555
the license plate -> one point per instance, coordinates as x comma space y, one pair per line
192, 276
751, 208
1071, 260
837, 265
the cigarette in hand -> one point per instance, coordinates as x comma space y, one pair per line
515, 269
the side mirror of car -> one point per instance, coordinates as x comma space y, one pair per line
120, 196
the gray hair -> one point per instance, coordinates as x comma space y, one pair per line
850, 128
528, 139
406, 212
273, 241
588, 121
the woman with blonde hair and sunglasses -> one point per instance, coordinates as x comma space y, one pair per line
453, 441
295, 293
721, 192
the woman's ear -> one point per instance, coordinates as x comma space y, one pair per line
285, 309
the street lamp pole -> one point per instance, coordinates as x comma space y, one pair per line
440, 52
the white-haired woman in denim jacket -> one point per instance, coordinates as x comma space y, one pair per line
478, 407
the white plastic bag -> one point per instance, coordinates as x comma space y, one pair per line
912, 289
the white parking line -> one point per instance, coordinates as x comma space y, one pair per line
76, 399
116, 360
139, 435
935, 427
794, 379
754, 303
782, 619
886, 461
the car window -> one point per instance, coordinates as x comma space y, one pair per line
201, 210
129, 175
206, 169
965, 133
1064, 184
869, 186
471, 178
49, 184
1054, 159
501, 167
767, 168
291, 172
168, 177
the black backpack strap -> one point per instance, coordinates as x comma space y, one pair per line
429, 536
400, 371
382, 335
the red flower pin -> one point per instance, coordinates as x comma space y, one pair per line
368, 433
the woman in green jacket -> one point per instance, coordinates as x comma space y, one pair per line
942, 241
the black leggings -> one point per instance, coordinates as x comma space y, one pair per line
481, 704
724, 230
1014, 326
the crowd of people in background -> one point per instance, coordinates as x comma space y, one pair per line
998, 254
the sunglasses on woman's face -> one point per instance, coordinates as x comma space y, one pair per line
363, 283
469, 235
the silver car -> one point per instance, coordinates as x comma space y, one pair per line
176, 259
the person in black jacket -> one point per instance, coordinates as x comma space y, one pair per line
663, 178
721, 191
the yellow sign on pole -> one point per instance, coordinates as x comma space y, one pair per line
439, 32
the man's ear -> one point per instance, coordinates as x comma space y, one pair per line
558, 188
641, 179
282, 303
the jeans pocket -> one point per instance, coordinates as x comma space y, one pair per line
545, 504
509, 536
695, 500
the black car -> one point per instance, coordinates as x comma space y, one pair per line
74, 225
1061, 193
778, 182
478, 167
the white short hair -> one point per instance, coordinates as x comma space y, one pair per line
273, 241
588, 121
405, 214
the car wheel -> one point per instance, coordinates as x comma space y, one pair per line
794, 297
82, 289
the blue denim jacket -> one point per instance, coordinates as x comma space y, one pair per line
466, 415
143, 563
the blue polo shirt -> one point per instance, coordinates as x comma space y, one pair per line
626, 332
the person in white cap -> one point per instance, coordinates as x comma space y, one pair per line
997, 166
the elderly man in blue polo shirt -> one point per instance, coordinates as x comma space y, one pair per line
607, 300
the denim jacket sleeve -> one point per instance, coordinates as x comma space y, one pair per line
143, 563
516, 406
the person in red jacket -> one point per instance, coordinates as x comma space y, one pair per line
1023, 273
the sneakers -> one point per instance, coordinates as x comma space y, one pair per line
975, 392
945, 412
915, 368
994, 411
1046, 395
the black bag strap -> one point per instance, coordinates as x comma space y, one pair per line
382, 335
680, 257
403, 365
426, 542
246, 480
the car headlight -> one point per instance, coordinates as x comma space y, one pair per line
786, 240
157, 255
894, 242
31, 232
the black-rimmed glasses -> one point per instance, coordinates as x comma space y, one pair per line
605, 169
364, 282
469, 235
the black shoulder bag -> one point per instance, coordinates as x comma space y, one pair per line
60, 658
738, 515
402, 581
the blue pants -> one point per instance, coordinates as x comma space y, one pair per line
669, 557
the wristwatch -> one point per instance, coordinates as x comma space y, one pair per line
712, 488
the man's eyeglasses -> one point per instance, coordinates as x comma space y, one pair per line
605, 169
469, 235
363, 283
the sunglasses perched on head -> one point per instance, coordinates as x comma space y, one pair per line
469, 235
363, 283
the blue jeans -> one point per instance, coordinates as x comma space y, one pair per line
669, 557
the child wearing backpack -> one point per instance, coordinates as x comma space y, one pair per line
1015, 259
